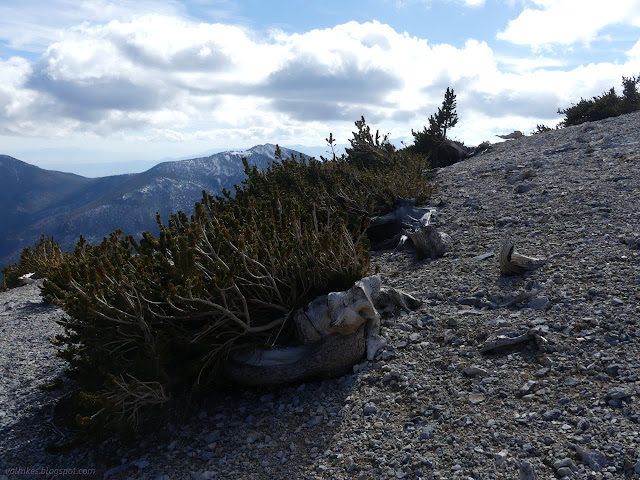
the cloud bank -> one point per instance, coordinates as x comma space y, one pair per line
566, 22
168, 78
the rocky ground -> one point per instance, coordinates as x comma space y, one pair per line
563, 403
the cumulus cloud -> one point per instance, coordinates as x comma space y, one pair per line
96, 94
130, 74
634, 53
310, 90
14, 72
566, 22
306, 78
33, 25
164, 78
467, 3
134, 70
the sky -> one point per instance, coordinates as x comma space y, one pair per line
111, 86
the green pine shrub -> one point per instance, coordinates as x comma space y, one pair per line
38, 259
609, 104
367, 150
151, 320
630, 101
541, 128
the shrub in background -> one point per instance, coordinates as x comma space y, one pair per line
541, 129
609, 104
630, 95
367, 150
38, 259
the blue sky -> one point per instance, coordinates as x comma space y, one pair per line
109, 86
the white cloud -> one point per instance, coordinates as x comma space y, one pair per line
634, 53
165, 80
13, 74
567, 22
32, 25
428, 3
523, 64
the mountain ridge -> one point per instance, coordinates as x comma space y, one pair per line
36, 201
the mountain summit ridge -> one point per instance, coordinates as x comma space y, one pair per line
36, 201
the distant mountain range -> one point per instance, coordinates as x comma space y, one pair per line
34, 201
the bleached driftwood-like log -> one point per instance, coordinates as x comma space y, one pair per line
333, 356
389, 299
429, 242
521, 298
339, 313
334, 332
507, 338
512, 135
409, 222
514, 263
27, 279
386, 230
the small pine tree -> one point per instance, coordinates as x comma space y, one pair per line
331, 143
367, 150
432, 141
446, 117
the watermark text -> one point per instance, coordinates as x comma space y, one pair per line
55, 472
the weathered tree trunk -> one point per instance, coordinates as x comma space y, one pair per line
335, 331
429, 242
513, 263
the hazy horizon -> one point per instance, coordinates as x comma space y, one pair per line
92, 169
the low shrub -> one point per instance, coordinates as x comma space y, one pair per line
609, 104
152, 319
541, 129
38, 259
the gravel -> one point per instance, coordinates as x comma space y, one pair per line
562, 402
